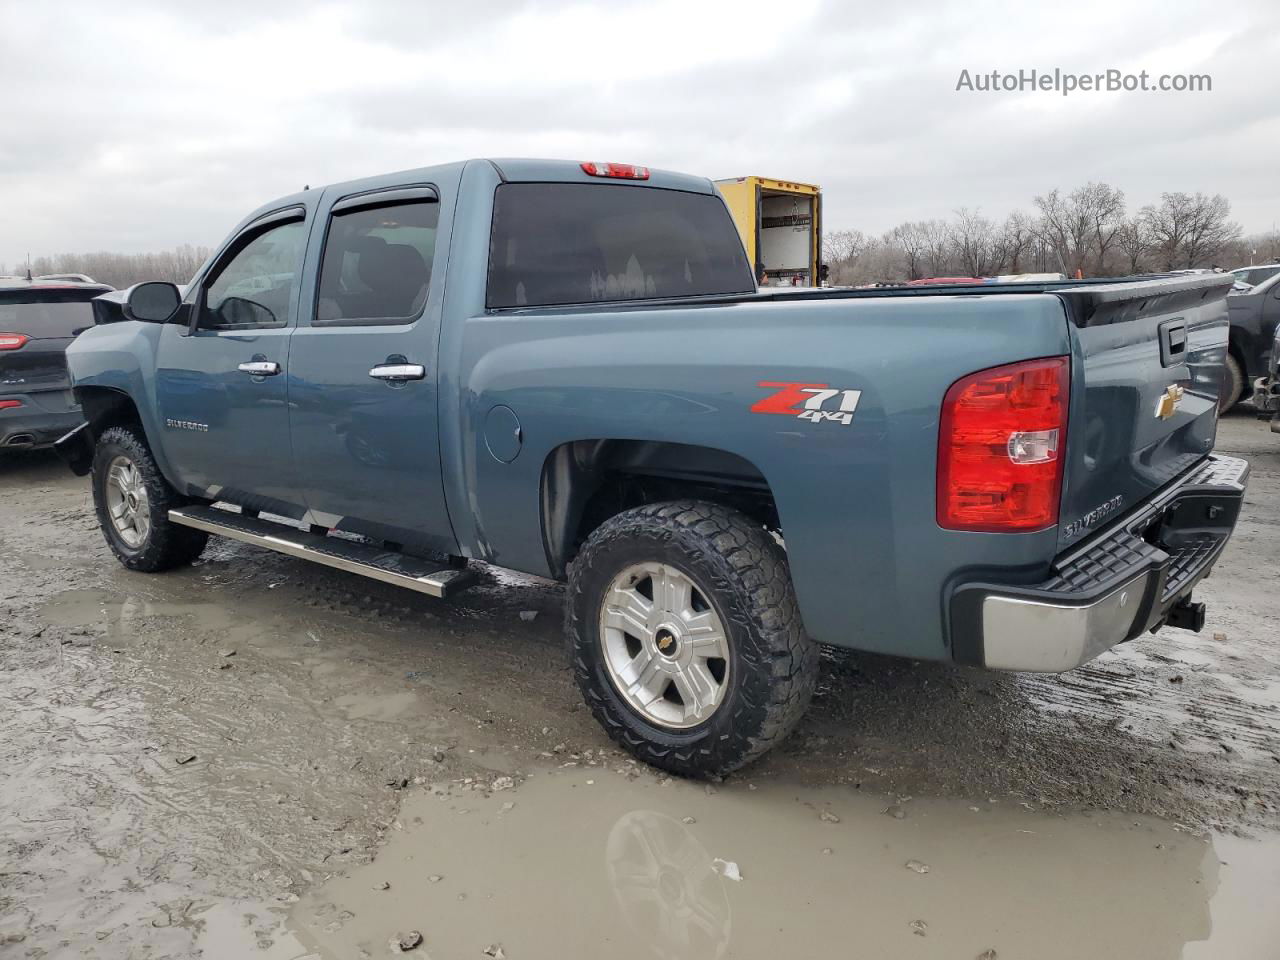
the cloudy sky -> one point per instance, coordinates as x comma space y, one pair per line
135, 126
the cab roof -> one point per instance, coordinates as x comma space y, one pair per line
513, 170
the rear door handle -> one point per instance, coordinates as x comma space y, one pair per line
260, 368
398, 372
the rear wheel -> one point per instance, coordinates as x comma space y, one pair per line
133, 500
1232, 384
685, 636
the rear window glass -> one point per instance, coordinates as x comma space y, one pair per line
563, 243
45, 319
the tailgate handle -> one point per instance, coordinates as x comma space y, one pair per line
1173, 342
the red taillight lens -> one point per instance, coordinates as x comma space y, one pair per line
1000, 447
12, 341
8, 404
619, 171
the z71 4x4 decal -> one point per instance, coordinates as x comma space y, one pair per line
809, 401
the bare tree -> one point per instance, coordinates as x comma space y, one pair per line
1211, 228
1189, 229
841, 245
1017, 235
1134, 240
1066, 229
1266, 246
909, 237
1105, 207
1081, 226
1252, 249
976, 244
841, 250
938, 247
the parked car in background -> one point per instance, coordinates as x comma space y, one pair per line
1266, 391
567, 369
39, 317
1255, 275
1003, 278
1254, 315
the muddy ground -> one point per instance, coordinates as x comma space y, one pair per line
255, 757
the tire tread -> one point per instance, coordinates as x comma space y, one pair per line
169, 544
771, 637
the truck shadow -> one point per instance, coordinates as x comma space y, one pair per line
31, 466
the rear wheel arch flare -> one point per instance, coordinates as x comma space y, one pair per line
585, 482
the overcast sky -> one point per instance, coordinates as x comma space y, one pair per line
138, 126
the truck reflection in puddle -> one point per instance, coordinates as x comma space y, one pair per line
587, 862
664, 886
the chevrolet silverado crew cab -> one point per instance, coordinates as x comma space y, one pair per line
567, 369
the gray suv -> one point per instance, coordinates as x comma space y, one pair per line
39, 317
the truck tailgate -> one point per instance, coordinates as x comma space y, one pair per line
1144, 400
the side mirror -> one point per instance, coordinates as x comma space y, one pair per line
152, 302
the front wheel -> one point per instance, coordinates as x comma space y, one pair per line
133, 499
686, 639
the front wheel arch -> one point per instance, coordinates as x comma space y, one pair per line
106, 407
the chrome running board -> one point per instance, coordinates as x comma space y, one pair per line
425, 576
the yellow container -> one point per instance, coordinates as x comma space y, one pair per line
781, 226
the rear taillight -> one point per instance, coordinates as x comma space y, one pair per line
1000, 447
619, 171
8, 404
12, 341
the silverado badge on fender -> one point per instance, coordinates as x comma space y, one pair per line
806, 401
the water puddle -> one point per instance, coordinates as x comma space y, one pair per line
123, 617
242, 929
384, 707
589, 861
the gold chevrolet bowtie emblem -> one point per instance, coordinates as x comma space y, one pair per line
1169, 401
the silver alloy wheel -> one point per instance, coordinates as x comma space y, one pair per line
127, 503
665, 648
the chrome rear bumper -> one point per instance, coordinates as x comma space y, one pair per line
1135, 576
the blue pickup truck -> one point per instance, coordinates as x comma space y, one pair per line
566, 369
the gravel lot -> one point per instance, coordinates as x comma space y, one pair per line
231, 760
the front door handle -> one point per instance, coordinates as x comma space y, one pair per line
398, 372
260, 368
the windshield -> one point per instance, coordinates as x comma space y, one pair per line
42, 319
565, 243
1255, 275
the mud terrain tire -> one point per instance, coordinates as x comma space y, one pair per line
741, 569
164, 545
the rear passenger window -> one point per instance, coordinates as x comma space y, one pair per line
377, 263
